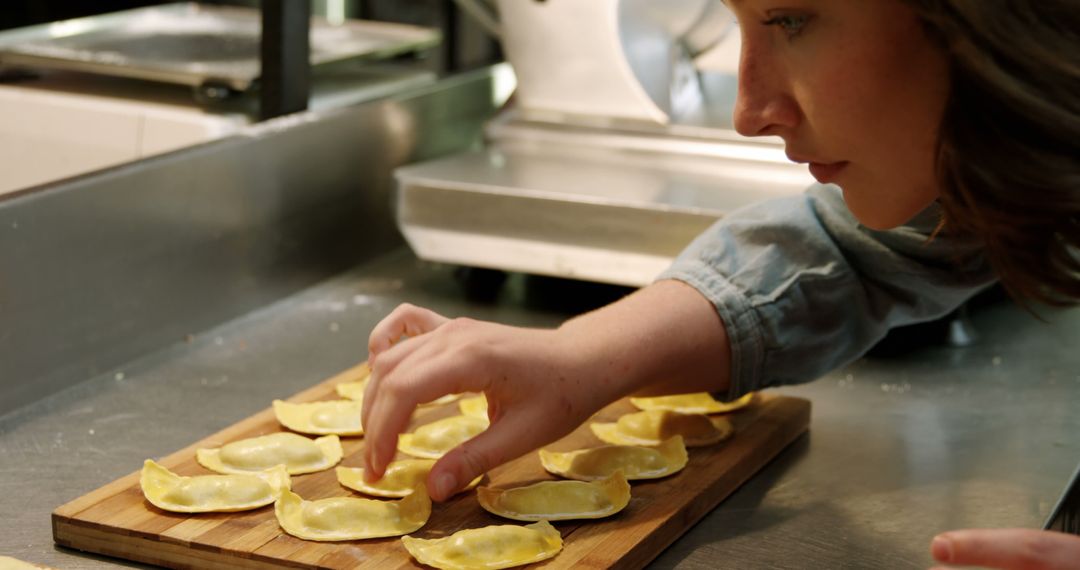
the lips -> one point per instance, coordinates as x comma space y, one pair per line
827, 173
824, 172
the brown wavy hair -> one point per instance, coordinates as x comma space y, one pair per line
1009, 146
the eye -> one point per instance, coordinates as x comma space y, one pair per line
791, 24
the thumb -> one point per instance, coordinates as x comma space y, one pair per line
501, 442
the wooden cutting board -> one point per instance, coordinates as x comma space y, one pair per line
116, 520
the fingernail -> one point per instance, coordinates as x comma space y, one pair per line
370, 473
941, 549
444, 485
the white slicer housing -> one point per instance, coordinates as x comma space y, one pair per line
617, 59
616, 150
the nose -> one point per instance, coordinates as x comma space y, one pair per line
765, 104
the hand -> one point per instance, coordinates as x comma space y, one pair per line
536, 392
540, 384
1008, 549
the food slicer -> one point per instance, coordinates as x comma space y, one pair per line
615, 150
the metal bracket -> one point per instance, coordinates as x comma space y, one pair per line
285, 57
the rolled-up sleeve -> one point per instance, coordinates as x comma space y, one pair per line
803, 288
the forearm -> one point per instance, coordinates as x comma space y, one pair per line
664, 339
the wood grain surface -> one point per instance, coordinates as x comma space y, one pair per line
116, 520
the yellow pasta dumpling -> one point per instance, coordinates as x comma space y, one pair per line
349, 518
634, 461
650, 427
699, 403
355, 391
487, 548
432, 441
337, 417
400, 478
211, 493
9, 563
297, 453
352, 390
558, 500
475, 406
442, 400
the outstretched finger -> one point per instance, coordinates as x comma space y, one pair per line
406, 320
375, 438
1008, 549
385, 366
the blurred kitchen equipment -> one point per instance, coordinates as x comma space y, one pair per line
628, 59
106, 90
284, 57
1066, 514
207, 47
617, 150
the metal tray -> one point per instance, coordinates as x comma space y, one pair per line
192, 44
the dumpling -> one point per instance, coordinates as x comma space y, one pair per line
699, 403
558, 500
297, 453
442, 400
400, 478
9, 563
650, 427
475, 406
211, 493
635, 462
355, 391
349, 518
337, 417
352, 390
432, 441
487, 548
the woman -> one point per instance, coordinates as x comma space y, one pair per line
945, 135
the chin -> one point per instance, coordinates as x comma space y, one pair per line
880, 203
875, 213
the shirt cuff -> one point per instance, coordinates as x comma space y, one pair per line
743, 327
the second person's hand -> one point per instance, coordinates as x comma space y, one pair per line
1008, 549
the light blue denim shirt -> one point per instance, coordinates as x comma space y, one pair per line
803, 288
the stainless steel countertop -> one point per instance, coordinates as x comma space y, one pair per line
900, 447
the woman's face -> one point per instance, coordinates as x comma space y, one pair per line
855, 88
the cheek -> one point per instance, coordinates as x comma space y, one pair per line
896, 150
879, 106
842, 110
854, 101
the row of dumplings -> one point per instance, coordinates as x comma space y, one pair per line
256, 472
